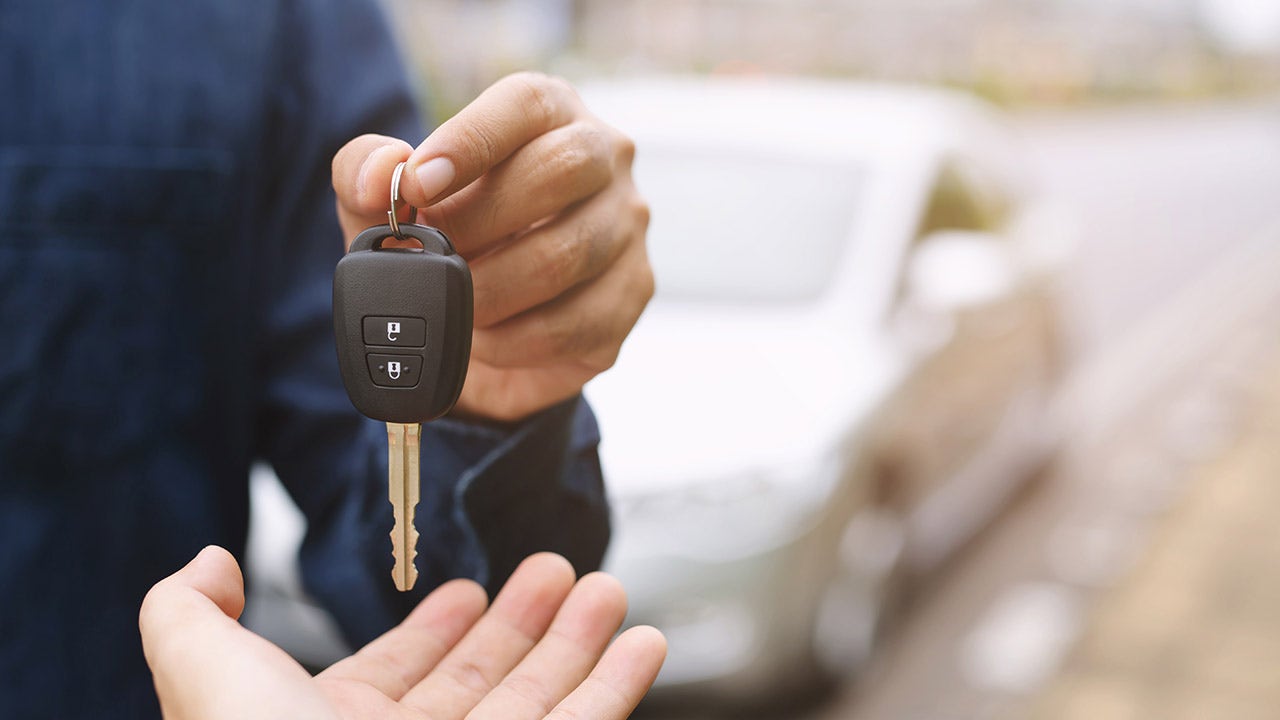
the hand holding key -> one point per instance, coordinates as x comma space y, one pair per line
538, 651
536, 193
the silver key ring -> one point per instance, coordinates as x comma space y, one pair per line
396, 201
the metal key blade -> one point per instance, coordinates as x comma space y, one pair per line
403, 449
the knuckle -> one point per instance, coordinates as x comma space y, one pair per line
560, 338
536, 94
550, 260
642, 284
588, 150
648, 283
525, 79
561, 260
558, 86
571, 158
624, 148
590, 253
480, 142
541, 95
604, 358
597, 142
639, 208
490, 299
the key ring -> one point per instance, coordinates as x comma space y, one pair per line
396, 200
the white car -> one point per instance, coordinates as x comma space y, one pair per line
847, 369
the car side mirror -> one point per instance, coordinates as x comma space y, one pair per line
953, 270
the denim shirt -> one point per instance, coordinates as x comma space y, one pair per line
167, 245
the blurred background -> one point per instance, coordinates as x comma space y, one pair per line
960, 396
1017, 52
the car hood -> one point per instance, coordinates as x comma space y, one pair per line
699, 394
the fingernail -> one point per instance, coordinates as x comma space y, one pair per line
434, 176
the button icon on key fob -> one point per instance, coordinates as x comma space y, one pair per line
410, 332
396, 371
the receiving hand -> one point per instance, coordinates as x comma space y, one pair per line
535, 653
536, 193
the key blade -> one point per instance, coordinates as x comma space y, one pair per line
412, 483
403, 447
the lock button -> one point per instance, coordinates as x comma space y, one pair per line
398, 371
395, 331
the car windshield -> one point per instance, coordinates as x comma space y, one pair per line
737, 227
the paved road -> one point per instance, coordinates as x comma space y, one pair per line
1162, 194
1173, 292
1191, 632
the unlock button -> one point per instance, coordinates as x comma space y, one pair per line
395, 331
395, 370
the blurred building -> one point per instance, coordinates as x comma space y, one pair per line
1009, 50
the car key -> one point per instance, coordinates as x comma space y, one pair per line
402, 320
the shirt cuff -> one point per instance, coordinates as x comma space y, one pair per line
532, 487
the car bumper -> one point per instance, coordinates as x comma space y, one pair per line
742, 629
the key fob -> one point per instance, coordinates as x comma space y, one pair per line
402, 320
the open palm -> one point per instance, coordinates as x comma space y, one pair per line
538, 651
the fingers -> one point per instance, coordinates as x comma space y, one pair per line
550, 173
404, 655
519, 663
362, 180
518, 617
620, 679
210, 588
206, 665
506, 116
546, 355
566, 164
554, 258
584, 328
563, 657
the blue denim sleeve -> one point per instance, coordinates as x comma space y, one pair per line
490, 495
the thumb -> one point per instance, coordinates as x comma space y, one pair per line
505, 117
205, 665
208, 589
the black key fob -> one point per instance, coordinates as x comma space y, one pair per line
402, 319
